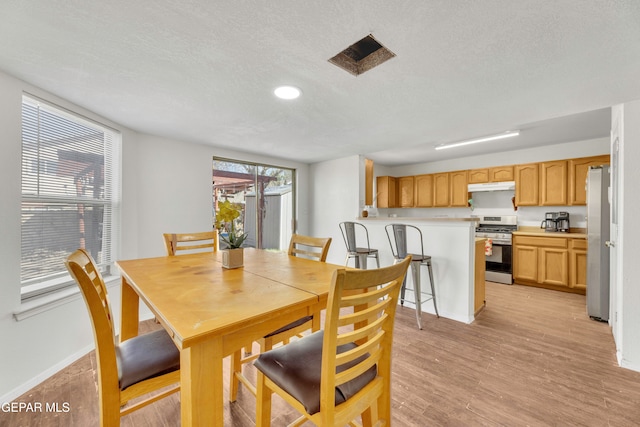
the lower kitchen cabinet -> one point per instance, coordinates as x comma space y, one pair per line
550, 262
578, 264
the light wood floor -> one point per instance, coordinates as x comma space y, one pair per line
531, 358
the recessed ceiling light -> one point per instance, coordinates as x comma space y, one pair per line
287, 92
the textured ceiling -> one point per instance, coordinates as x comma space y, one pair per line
204, 71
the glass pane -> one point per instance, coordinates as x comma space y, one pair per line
52, 231
265, 195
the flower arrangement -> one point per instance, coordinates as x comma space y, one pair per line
226, 216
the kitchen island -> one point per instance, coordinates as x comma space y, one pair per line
451, 244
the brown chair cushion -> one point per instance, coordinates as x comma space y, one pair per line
296, 368
146, 356
291, 325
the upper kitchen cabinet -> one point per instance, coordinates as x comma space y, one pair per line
495, 174
527, 184
578, 169
501, 174
459, 189
405, 192
386, 188
424, 191
553, 183
479, 176
441, 194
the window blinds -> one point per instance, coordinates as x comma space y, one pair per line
68, 194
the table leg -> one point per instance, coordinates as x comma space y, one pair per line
201, 385
130, 317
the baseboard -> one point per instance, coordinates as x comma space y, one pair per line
23, 388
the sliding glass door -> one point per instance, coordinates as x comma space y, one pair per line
265, 195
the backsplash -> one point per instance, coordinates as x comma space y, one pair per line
495, 203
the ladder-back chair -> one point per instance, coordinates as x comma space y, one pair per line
342, 372
131, 369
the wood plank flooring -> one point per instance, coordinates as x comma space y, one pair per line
531, 358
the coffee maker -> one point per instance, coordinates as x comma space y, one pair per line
550, 222
562, 222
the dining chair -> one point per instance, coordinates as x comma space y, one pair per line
342, 372
359, 253
400, 233
315, 248
191, 242
136, 367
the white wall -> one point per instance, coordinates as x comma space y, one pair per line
336, 190
166, 186
628, 240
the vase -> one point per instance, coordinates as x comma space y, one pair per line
232, 258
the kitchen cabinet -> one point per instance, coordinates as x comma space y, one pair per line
495, 174
501, 174
405, 192
553, 183
545, 262
441, 194
578, 264
386, 188
459, 189
527, 184
478, 176
578, 169
424, 191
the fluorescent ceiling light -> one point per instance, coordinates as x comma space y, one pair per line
287, 92
508, 134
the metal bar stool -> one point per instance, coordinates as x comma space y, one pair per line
360, 254
399, 251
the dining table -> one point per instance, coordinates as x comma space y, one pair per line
210, 311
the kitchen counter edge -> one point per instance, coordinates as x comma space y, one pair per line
409, 218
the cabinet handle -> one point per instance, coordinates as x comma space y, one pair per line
610, 244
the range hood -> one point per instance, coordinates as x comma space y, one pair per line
493, 186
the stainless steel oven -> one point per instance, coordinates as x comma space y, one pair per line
498, 252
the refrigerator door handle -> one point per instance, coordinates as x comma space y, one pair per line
610, 244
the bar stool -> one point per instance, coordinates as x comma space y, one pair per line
360, 254
399, 251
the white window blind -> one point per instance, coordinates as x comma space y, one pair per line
70, 198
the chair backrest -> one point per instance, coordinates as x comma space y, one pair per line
83, 269
361, 310
348, 230
206, 241
315, 248
399, 242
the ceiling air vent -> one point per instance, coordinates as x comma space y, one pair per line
362, 56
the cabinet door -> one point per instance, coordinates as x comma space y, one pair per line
501, 174
553, 267
525, 263
578, 264
405, 192
459, 189
478, 176
527, 184
441, 189
553, 183
386, 187
424, 191
578, 169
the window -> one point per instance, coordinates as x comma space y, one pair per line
70, 198
266, 195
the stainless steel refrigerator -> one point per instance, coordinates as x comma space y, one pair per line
598, 219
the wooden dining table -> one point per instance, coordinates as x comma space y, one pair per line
210, 311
